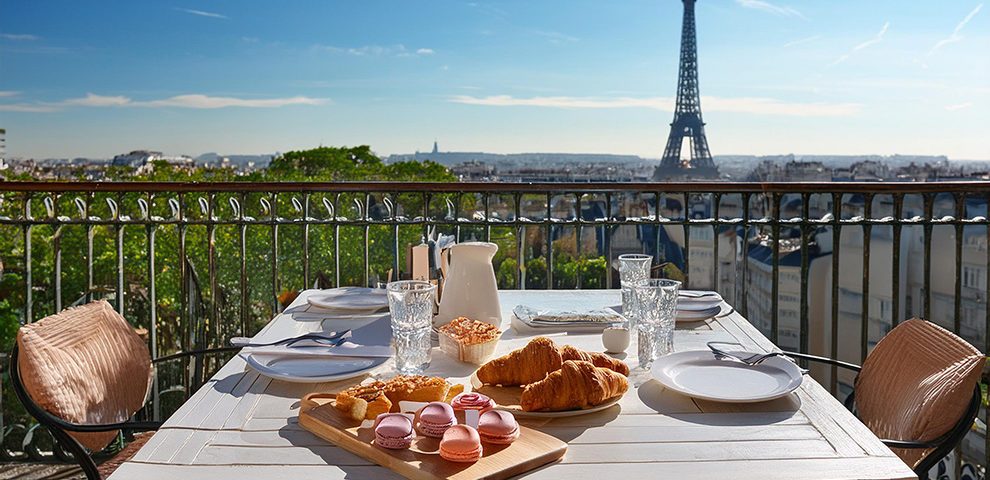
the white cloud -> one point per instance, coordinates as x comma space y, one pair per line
201, 13
556, 38
770, 8
19, 37
206, 101
91, 100
195, 101
399, 50
25, 107
802, 41
958, 106
957, 33
9, 93
751, 105
876, 39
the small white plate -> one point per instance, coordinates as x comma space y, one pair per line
697, 306
356, 299
518, 412
508, 399
303, 369
696, 373
696, 315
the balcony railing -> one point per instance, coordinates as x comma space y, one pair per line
825, 268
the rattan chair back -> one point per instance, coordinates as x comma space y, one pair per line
916, 385
85, 365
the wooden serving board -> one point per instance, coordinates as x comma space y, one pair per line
423, 461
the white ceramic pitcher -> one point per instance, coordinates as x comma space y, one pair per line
469, 287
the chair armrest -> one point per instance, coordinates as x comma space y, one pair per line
913, 443
826, 360
194, 353
105, 427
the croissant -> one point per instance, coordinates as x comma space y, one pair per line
568, 352
529, 364
577, 385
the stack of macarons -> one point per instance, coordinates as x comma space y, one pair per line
472, 401
498, 427
394, 431
459, 443
462, 443
434, 419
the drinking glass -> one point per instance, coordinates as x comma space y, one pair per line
410, 303
633, 268
654, 306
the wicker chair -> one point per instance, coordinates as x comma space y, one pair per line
918, 390
83, 373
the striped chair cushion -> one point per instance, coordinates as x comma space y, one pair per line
916, 384
85, 365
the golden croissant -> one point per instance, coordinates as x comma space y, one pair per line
577, 385
524, 366
568, 352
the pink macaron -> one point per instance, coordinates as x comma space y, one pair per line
394, 431
435, 418
461, 443
472, 401
498, 427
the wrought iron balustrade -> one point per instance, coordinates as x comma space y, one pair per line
824, 268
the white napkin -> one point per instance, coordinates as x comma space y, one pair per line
371, 340
346, 349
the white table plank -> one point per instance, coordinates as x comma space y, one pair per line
243, 425
865, 468
150, 471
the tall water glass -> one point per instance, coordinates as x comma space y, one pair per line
410, 303
654, 303
633, 268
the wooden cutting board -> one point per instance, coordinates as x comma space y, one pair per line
423, 461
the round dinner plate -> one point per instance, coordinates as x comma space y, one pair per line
310, 369
697, 306
507, 398
696, 315
356, 299
696, 373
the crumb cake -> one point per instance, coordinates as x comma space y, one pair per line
469, 340
367, 401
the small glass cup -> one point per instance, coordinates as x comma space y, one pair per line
654, 306
410, 303
634, 267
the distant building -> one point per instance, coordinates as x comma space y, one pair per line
143, 160
3, 149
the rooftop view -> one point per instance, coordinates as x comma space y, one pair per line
694, 239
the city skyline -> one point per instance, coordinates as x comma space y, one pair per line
776, 77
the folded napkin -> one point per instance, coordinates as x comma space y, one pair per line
371, 340
346, 349
525, 317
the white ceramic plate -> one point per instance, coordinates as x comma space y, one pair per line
518, 412
696, 373
355, 299
695, 315
697, 306
303, 369
507, 398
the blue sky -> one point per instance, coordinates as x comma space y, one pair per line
777, 76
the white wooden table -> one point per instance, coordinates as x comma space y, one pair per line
242, 425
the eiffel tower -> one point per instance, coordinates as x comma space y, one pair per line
687, 124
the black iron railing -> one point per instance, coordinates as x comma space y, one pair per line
825, 268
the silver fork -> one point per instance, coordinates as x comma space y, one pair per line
331, 339
748, 359
754, 359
